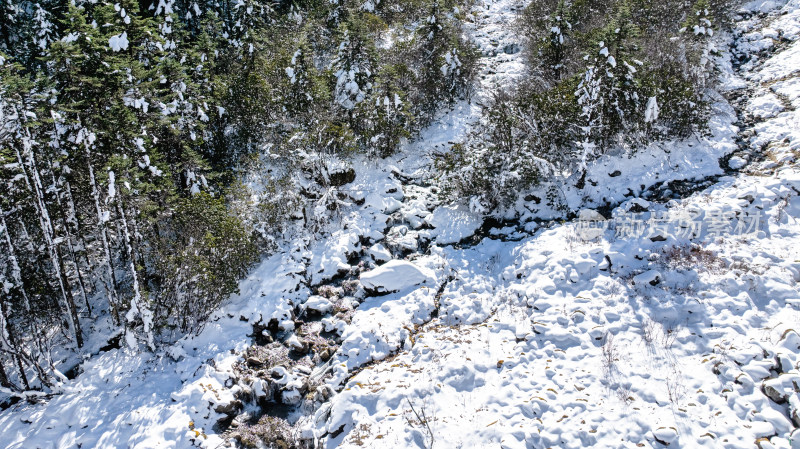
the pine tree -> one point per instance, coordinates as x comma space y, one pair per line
608, 93
354, 66
385, 118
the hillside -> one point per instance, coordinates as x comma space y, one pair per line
535, 257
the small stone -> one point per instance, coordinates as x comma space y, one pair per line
296, 344
253, 362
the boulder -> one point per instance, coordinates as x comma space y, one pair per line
396, 275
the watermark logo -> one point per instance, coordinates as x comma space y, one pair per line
660, 225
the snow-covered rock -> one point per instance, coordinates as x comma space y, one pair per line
379, 253
396, 275
453, 223
318, 304
650, 277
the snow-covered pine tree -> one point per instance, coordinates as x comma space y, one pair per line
354, 66
554, 47
608, 92
385, 118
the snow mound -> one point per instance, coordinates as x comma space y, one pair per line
453, 223
396, 275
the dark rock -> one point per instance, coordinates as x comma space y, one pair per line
230, 409
342, 177
534, 198
253, 362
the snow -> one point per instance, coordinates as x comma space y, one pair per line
766, 106
651, 111
112, 188
453, 223
333, 257
118, 42
396, 275
557, 337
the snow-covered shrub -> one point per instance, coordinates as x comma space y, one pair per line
521, 142
444, 62
597, 82
386, 118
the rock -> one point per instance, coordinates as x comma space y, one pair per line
659, 235
286, 325
280, 375
396, 275
261, 389
781, 388
794, 411
239, 420
323, 393
774, 394
296, 344
318, 304
399, 238
637, 205
453, 223
532, 198
342, 176
665, 435
291, 397
382, 204
230, 409
736, 162
379, 253
652, 277
302, 370
795, 437
253, 362
325, 354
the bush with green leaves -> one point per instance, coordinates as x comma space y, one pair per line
615, 74
202, 254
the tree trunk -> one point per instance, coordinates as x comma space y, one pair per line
112, 289
48, 232
68, 238
138, 307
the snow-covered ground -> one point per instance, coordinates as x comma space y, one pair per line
676, 322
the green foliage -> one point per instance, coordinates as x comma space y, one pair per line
150, 154
604, 75
200, 259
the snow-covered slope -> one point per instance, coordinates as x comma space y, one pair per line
539, 334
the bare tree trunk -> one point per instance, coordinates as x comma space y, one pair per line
8, 344
68, 237
112, 289
4, 382
36, 334
138, 307
48, 232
